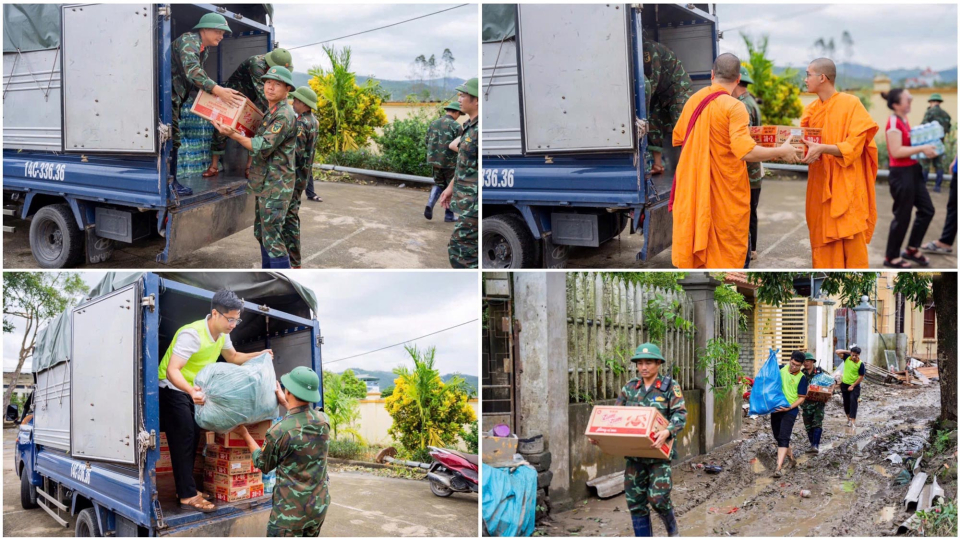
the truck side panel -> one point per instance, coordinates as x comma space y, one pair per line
31, 100
500, 129
51, 406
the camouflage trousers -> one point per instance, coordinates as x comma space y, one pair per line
812, 415
463, 243
175, 124
291, 225
443, 177
268, 225
648, 481
312, 530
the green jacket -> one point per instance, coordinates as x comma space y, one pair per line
273, 171
937, 114
297, 448
187, 67
247, 79
440, 134
465, 182
307, 129
754, 169
666, 396
667, 87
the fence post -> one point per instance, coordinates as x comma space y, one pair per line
700, 287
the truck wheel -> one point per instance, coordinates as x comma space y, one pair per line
28, 491
55, 239
87, 523
507, 243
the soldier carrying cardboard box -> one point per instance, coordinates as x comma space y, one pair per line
812, 410
649, 480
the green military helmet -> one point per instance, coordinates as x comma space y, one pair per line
279, 57
306, 95
647, 351
744, 76
453, 106
470, 87
809, 356
280, 73
213, 21
303, 383
935, 97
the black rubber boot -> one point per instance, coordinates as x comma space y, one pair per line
670, 522
642, 526
431, 202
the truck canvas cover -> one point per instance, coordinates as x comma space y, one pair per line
30, 27
53, 342
499, 22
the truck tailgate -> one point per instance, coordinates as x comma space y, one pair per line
217, 209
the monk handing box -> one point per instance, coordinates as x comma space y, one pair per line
841, 192
711, 193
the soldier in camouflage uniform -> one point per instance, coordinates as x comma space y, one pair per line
755, 170
190, 51
273, 174
304, 101
936, 114
649, 480
248, 80
463, 190
296, 447
667, 88
812, 411
440, 134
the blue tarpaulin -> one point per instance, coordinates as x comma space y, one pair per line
509, 500
767, 394
235, 394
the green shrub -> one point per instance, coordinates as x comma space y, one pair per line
471, 437
359, 159
346, 449
404, 143
414, 454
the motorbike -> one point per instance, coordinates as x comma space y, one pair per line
452, 471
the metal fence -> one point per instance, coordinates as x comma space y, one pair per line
606, 322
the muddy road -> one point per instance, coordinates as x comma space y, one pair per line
853, 487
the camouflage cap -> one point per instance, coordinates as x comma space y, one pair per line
470, 87
647, 351
453, 106
280, 73
213, 21
279, 57
303, 383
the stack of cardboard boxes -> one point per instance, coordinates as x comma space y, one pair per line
773, 136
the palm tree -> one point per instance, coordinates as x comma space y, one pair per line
341, 409
428, 391
341, 91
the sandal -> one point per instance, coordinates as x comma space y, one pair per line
901, 264
656, 169
210, 172
778, 474
315, 198
915, 256
199, 504
932, 247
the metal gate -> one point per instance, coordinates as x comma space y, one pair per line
498, 404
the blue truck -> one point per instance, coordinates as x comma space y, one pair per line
565, 122
87, 114
90, 439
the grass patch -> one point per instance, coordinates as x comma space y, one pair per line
346, 449
941, 520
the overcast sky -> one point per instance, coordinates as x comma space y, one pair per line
885, 37
387, 53
362, 311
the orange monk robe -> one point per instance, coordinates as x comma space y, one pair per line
711, 208
841, 191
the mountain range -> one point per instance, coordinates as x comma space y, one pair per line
859, 75
387, 378
399, 90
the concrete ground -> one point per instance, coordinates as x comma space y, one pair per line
356, 226
783, 238
363, 505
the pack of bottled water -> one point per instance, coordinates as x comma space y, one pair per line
929, 133
195, 136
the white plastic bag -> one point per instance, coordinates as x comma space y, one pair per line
236, 395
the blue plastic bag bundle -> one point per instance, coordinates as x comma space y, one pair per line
767, 394
822, 379
509, 500
236, 395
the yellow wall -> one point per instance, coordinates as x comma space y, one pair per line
912, 324
375, 421
880, 113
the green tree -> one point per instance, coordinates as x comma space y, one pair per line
32, 299
779, 95
404, 145
425, 410
775, 288
471, 437
342, 409
386, 392
347, 113
353, 386
447, 59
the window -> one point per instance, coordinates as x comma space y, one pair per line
929, 322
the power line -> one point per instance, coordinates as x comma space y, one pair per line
401, 343
378, 28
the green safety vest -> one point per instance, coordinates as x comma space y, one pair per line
790, 383
851, 371
208, 353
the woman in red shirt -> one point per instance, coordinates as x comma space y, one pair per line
907, 185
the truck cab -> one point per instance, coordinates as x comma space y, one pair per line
87, 129
92, 446
565, 122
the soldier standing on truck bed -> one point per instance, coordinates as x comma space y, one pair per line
273, 174
463, 190
248, 80
296, 447
667, 88
440, 134
190, 51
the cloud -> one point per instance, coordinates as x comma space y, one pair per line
386, 53
885, 36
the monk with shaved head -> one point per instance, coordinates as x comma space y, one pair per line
711, 192
841, 193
